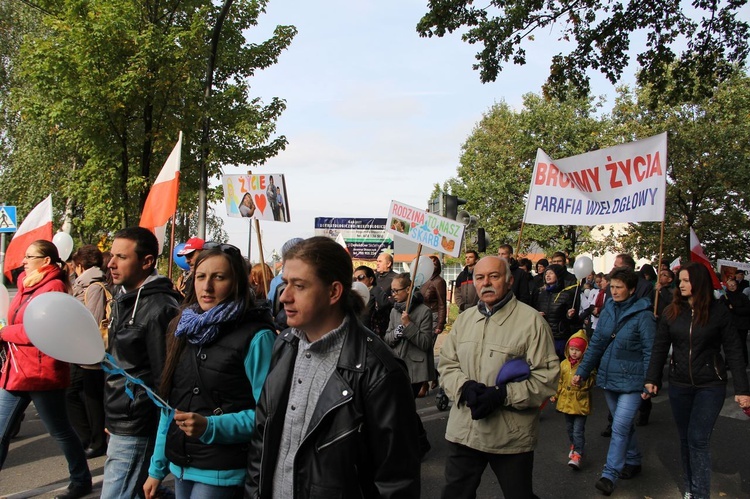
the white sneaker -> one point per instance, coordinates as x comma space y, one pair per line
575, 461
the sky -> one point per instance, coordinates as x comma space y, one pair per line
374, 112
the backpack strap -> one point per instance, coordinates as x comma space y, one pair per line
107, 297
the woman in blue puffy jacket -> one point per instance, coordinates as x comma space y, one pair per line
621, 347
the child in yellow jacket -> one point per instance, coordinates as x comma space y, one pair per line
574, 401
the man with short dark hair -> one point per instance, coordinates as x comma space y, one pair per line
521, 278
739, 276
466, 293
665, 289
495, 415
337, 416
144, 304
384, 275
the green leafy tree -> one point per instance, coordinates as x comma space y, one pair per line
100, 89
498, 160
707, 174
714, 35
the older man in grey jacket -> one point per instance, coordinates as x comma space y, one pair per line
495, 421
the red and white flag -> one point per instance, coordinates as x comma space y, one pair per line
341, 242
697, 255
161, 202
37, 225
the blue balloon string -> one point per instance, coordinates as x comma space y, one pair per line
113, 368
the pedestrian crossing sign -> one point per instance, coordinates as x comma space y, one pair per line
8, 219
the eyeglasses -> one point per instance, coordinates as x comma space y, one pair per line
394, 290
31, 257
359, 278
225, 248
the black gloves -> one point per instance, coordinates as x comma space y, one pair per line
481, 399
469, 393
488, 400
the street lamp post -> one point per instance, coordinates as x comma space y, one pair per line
203, 189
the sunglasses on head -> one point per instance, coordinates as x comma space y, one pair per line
224, 248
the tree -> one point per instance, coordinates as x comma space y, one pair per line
100, 90
707, 174
498, 158
714, 37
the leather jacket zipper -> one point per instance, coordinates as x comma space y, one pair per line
262, 455
340, 437
330, 409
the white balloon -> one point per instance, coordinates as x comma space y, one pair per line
583, 267
63, 328
64, 244
361, 290
424, 270
4, 303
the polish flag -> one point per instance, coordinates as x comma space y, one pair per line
161, 203
341, 242
697, 255
37, 225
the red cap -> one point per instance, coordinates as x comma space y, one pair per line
578, 343
192, 244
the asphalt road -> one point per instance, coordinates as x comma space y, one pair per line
36, 468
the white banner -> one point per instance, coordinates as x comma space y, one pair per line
256, 196
420, 226
625, 183
736, 265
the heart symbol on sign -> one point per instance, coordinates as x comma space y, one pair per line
413, 224
260, 202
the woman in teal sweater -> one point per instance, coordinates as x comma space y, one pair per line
217, 361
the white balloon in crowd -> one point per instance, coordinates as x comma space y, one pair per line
63, 328
4, 303
424, 270
64, 244
361, 291
583, 267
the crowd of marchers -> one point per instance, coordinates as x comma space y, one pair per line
298, 386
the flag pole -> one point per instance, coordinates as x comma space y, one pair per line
413, 275
661, 251
520, 234
171, 247
262, 260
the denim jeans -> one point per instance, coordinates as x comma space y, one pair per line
50, 404
576, 431
695, 411
623, 447
187, 489
126, 467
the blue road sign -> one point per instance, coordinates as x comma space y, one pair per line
8, 219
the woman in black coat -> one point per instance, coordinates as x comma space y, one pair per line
555, 302
698, 329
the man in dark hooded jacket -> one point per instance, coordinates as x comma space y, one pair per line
521, 278
143, 307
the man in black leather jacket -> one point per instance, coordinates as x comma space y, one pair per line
143, 307
336, 417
